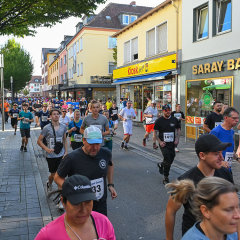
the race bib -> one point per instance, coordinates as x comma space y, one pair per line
168, 137
37, 109
44, 118
15, 115
217, 123
25, 120
129, 117
98, 187
52, 142
77, 137
229, 158
114, 111
177, 115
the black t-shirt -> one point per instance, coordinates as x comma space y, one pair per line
83, 104
166, 128
44, 118
178, 115
196, 176
37, 107
114, 112
77, 162
14, 113
213, 118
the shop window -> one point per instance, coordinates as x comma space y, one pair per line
202, 22
224, 15
127, 52
151, 42
111, 67
134, 49
163, 93
162, 38
112, 42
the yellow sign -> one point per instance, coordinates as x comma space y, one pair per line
147, 67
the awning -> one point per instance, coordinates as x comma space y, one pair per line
217, 87
150, 77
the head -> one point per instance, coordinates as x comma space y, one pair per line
154, 103
54, 115
95, 107
76, 115
109, 99
114, 105
92, 139
209, 151
166, 111
64, 112
24, 107
231, 117
217, 106
106, 114
15, 106
104, 107
70, 109
121, 99
77, 199
45, 106
129, 104
178, 108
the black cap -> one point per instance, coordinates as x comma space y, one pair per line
77, 189
210, 143
166, 107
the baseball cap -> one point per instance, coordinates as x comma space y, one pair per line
93, 135
154, 101
166, 107
77, 189
210, 143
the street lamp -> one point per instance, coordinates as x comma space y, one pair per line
2, 89
11, 81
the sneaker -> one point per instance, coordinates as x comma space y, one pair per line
155, 146
49, 187
165, 180
14, 133
160, 168
122, 145
21, 148
60, 206
125, 147
144, 142
176, 149
25, 149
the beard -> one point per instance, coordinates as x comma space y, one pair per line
219, 110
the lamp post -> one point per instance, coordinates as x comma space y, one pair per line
11, 81
2, 90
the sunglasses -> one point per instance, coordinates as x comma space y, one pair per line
64, 111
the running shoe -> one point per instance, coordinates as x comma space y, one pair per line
49, 187
21, 148
176, 149
14, 133
125, 147
160, 168
144, 142
165, 180
25, 149
122, 145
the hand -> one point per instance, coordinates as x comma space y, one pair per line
176, 141
124, 119
112, 191
74, 129
238, 152
49, 150
162, 144
225, 164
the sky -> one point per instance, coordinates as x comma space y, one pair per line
52, 37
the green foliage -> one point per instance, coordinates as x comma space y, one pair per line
115, 55
25, 92
21, 17
18, 64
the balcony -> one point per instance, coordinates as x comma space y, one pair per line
101, 79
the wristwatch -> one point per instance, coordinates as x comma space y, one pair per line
110, 185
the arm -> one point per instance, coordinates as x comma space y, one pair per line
238, 127
107, 131
65, 145
178, 131
206, 128
44, 147
58, 180
171, 210
110, 181
162, 143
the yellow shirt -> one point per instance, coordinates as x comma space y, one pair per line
108, 105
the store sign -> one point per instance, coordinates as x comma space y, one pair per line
232, 64
147, 67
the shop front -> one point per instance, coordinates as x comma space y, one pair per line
155, 79
210, 80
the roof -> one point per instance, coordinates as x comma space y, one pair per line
45, 51
36, 77
147, 14
114, 10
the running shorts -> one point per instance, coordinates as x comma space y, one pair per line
150, 128
127, 128
25, 133
53, 164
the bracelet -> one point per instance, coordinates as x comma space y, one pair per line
110, 185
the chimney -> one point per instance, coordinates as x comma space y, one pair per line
133, 3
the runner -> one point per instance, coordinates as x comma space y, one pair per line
88, 111
6, 109
26, 118
70, 113
37, 108
209, 151
56, 148
225, 133
108, 138
150, 114
83, 106
126, 115
214, 118
93, 162
74, 131
44, 116
113, 113
108, 104
179, 115
167, 130
56, 103
13, 114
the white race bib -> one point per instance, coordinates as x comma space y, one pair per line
129, 117
177, 115
77, 137
98, 187
217, 123
15, 115
52, 142
168, 136
25, 120
229, 158
37, 109
44, 118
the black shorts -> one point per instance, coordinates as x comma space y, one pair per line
76, 145
36, 114
100, 206
53, 164
25, 133
14, 122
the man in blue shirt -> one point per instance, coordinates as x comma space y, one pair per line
26, 118
225, 133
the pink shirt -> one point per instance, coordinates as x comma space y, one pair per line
55, 230
65, 106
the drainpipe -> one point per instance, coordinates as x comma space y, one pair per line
177, 46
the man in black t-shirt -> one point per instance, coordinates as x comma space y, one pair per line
93, 162
37, 107
13, 114
113, 113
167, 132
214, 118
209, 151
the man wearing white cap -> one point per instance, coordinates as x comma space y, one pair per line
93, 162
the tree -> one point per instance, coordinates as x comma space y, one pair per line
18, 64
21, 17
25, 92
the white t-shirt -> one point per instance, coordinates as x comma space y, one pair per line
151, 111
128, 114
70, 115
65, 120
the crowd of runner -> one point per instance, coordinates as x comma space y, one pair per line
83, 175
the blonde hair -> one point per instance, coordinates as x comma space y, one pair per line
206, 193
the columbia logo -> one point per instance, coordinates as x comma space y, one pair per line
81, 187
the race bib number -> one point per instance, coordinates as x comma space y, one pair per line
98, 187
52, 142
177, 115
15, 115
44, 118
168, 137
37, 109
229, 158
25, 120
217, 123
78, 137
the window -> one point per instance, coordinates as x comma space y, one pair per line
162, 38
69, 73
81, 69
224, 15
65, 59
133, 18
78, 70
125, 19
81, 44
65, 76
151, 42
112, 42
111, 67
61, 63
61, 78
134, 49
202, 23
77, 46
127, 52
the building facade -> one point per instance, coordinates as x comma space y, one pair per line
35, 86
210, 31
148, 56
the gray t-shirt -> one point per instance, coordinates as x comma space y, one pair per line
101, 122
47, 132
